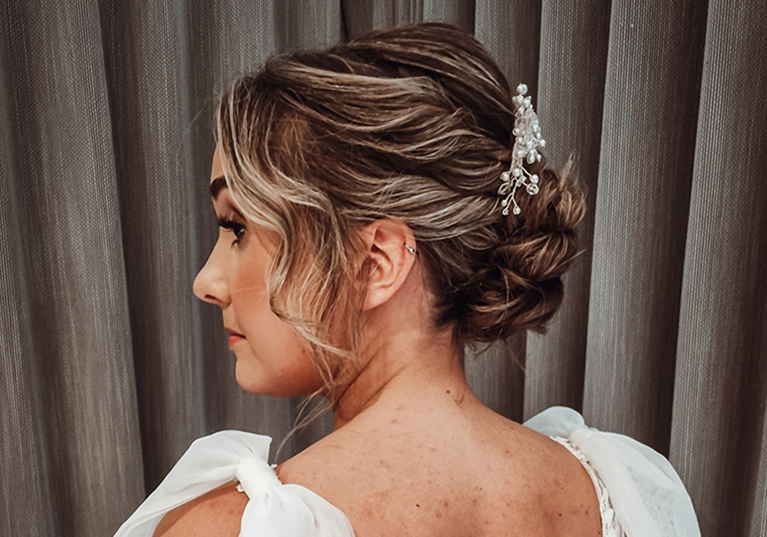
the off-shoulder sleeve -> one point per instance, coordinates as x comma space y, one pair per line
646, 492
273, 509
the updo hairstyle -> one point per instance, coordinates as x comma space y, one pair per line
414, 124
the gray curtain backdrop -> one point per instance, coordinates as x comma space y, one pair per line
110, 368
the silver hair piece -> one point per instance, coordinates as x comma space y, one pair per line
527, 139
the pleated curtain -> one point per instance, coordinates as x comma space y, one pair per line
109, 367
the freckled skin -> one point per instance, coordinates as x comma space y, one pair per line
462, 486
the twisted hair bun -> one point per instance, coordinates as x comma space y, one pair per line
517, 285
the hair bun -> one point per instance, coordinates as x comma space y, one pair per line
519, 286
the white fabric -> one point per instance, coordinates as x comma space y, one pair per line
273, 509
648, 498
647, 494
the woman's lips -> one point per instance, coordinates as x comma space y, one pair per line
234, 337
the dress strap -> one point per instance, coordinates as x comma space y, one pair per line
610, 526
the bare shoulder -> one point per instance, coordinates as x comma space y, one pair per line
377, 477
327, 457
215, 514
547, 489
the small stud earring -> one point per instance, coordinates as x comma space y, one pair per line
410, 249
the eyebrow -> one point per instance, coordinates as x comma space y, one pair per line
216, 186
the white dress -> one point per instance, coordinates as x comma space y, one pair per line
640, 494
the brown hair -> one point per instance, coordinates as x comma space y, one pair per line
412, 123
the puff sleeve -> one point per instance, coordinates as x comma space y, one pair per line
273, 509
647, 495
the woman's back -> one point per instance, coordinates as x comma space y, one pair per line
453, 469
450, 467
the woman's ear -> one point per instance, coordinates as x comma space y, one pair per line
388, 257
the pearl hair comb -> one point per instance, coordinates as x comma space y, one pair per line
527, 139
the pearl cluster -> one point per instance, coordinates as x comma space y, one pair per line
527, 138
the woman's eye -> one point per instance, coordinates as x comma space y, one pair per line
235, 227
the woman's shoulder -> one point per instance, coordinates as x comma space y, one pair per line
223, 485
639, 489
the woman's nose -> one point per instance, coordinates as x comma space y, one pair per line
210, 284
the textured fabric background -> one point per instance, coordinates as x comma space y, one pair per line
109, 367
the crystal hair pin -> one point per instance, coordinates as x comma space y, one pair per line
527, 140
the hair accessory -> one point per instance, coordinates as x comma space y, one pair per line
410, 249
527, 138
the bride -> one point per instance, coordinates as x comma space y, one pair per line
382, 204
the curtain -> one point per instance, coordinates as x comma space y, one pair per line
110, 367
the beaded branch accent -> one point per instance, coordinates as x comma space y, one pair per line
527, 140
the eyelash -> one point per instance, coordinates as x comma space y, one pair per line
235, 227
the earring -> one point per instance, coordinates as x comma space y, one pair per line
409, 249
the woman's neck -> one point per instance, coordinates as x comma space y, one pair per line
404, 358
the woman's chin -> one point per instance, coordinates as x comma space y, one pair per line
253, 382
258, 382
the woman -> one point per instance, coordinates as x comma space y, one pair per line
381, 204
